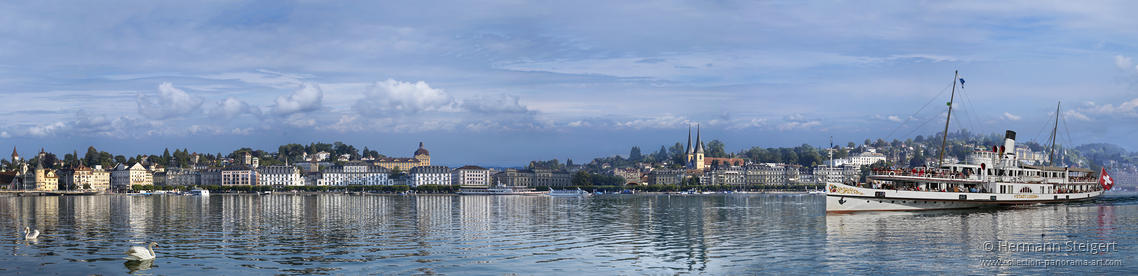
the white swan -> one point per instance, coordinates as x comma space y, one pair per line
31, 234
138, 253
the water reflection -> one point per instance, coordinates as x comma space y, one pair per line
135, 267
608, 234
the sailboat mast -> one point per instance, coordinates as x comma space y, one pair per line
944, 139
1053, 137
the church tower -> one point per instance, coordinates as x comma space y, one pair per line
698, 150
694, 154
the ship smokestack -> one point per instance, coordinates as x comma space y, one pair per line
1010, 142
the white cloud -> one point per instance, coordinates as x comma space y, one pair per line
297, 120
1122, 62
170, 103
795, 118
798, 125
660, 122
231, 107
1010, 117
754, 123
305, 98
1126, 109
392, 97
239, 131
504, 103
1072, 114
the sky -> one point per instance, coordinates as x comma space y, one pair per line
501, 83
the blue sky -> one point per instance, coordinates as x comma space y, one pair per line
504, 82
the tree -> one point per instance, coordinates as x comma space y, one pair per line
396, 171
120, 159
868, 142
677, 150
49, 160
919, 139
715, 163
92, 157
635, 155
715, 148
581, 178
663, 154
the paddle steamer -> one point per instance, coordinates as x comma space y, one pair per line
986, 178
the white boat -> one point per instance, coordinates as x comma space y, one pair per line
499, 190
568, 193
986, 178
814, 192
199, 192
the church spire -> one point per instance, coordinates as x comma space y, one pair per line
689, 151
698, 142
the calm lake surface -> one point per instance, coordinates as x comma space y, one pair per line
496, 235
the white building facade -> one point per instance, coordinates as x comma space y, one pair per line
470, 175
429, 175
279, 176
354, 173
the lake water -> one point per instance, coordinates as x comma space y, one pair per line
499, 235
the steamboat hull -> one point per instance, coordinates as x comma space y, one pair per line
841, 198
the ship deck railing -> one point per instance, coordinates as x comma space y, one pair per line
950, 175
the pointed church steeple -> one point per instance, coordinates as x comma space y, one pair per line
689, 151
16, 156
698, 142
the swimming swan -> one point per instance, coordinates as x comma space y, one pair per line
138, 253
31, 234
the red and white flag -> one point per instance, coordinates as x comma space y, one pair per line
1105, 180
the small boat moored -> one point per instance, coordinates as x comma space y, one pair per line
569, 193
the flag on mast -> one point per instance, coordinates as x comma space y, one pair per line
1105, 180
961, 81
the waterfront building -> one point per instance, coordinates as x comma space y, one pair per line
10, 180
238, 175
666, 177
355, 173
41, 179
772, 174
124, 177
182, 177
313, 179
429, 175
470, 175
630, 175
211, 176
534, 177
836, 174
279, 176
733, 175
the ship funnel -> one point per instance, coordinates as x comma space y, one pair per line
1010, 142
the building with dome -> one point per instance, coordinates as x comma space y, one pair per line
422, 158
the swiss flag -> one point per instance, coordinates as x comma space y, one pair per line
1105, 180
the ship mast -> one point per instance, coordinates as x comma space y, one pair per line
1053, 137
944, 139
